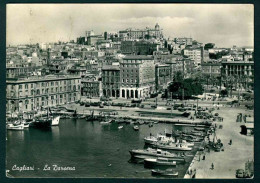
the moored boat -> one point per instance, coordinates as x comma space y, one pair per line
153, 153
173, 146
15, 127
154, 162
136, 128
120, 127
167, 172
106, 122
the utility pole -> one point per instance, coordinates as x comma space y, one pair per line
182, 82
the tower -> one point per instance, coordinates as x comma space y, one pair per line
157, 27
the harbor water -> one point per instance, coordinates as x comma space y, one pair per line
94, 150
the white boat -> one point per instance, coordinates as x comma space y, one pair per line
136, 128
120, 127
106, 122
173, 146
15, 127
168, 172
55, 121
153, 162
164, 139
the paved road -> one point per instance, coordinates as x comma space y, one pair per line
234, 156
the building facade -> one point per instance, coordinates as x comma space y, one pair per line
35, 92
239, 68
90, 86
111, 81
211, 69
194, 54
137, 76
138, 47
162, 76
141, 34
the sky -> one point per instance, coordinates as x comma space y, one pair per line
223, 24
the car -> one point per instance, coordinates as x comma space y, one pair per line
240, 173
87, 104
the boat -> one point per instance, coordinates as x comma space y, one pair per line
106, 122
45, 121
136, 128
152, 140
153, 153
120, 127
199, 129
55, 121
173, 146
140, 122
167, 172
154, 162
15, 127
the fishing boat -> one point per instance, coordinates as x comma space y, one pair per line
154, 162
173, 146
46, 121
120, 127
15, 127
167, 172
136, 128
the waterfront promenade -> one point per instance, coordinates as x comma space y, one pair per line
233, 157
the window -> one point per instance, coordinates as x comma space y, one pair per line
20, 86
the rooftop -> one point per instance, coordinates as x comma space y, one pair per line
138, 57
41, 78
110, 67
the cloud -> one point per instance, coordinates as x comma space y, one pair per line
224, 24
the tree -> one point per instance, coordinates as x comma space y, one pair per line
191, 87
223, 93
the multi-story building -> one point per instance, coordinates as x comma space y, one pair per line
162, 76
111, 81
90, 86
211, 69
239, 68
194, 54
13, 72
141, 34
242, 70
32, 93
183, 41
90, 33
137, 76
92, 40
139, 47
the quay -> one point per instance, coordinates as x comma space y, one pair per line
233, 157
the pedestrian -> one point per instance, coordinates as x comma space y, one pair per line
230, 142
212, 166
204, 157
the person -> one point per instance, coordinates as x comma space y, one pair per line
230, 142
212, 166
204, 157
